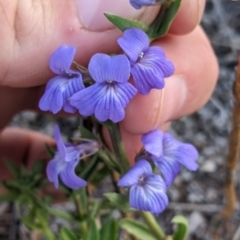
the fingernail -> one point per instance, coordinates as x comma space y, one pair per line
174, 97
91, 12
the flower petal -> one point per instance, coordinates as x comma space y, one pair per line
59, 142
125, 92
155, 57
169, 167
54, 167
152, 142
184, 153
131, 178
137, 4
133, 42
69, 178
52, 99
105, 68
61, 59
74, 85
73, 152
86, 100
146, 78
149, 197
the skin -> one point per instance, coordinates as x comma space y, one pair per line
32, 30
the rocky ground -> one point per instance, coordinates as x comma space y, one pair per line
199, 195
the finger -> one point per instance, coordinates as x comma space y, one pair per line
185, 92
33, 31
22, 147
188, 17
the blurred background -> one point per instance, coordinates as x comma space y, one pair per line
198, 195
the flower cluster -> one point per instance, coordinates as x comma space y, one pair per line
66, 160
148, 190
109, 91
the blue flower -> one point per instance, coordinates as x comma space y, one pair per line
147, 190
149, 65
111, 93
170, 155
65, 161
59, 89
140, 3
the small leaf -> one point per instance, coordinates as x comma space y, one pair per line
182, 228
164, 20
61, 214
67, 234
109, 230
50, 151
124, 23
85, 133
119, 201
93, 233
136, 229
9, 197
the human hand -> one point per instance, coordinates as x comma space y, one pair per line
32, 30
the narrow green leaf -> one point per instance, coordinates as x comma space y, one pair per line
67, 234
182, 228
85, 133
93, 233
124, 23
136, 229
50, 151
9, 197
61, 214
109, 230
119, 201
164, 20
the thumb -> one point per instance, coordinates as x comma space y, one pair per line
32, 30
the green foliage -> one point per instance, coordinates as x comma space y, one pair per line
119, 201
164, 20
67, 234
158, 28
124, 23
93, 233
109, 230
182, 227
137, 229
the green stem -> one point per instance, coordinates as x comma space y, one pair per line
118, 147
151, 222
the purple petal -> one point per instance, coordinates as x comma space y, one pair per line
152, 142
86, 100
59, 142
61, 59
137, 4
133, 42
155, 57
146, 78
73, 153
125, 93
105, 68
69, 178
109, 107
74, 85
169, 167
52, 99
184, 153
131, 178
54, 167
149, 197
